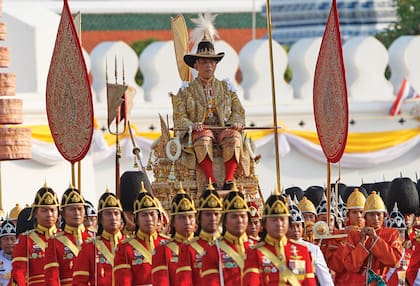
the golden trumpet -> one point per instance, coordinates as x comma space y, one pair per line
322, 231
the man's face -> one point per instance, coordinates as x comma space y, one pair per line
74, 215
374, 219
295, 231
7, 243
254, 226
356, 217
111, 220
46, 216
309, 217
277, 227
236, 222
184, 224
91, 222
205, 68
323, 217
410, 220
147, 221
210, 220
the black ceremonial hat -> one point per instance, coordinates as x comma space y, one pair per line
404, 193
130, 185
294, 192
314, 194
210, 200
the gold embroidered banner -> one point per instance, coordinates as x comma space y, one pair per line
68, 96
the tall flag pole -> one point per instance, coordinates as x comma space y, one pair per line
68, 94
273, 95
330, 96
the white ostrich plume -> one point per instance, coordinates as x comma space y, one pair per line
204, 28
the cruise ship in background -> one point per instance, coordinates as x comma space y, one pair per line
296, 19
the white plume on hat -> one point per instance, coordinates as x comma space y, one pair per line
204, 28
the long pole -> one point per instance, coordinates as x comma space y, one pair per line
273, 95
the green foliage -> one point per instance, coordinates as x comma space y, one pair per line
288, 74
408, 22
138, 47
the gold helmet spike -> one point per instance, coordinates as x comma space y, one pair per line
181, 189
142, 188
210, 185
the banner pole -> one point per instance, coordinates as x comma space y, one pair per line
273, 94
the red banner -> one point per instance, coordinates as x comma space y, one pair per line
68, 96
330, 91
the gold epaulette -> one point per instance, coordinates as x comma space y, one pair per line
165, 236
298, 242
259, 244
28, 231
60, 233
194, 239
128, 239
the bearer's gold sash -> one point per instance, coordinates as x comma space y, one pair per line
35, 237
140, 248
100, 245
67, 242
232, 253
285, 274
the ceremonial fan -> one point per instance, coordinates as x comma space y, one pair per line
330, 97
68, 95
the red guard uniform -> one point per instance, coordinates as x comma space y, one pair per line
413, 273
93, 265
165, 261
133, 259
61, 253
230, 252
278, 262
379, 255
190, 259
28, 257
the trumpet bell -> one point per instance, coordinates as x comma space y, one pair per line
322, 231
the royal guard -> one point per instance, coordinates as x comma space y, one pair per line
209, 209
277, 260
223, 262
308, 210
354, 220
254, 223
396, 275
295, 232
328, 246
130, 185
91, 219
309, 215
413, 270
29, 252
370, 252
165, 258
94, 264
63, 249
133, 257
403, 191
7, 243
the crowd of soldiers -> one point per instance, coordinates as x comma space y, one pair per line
218, 241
